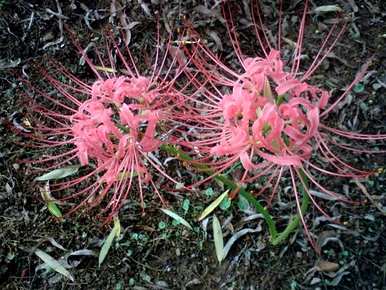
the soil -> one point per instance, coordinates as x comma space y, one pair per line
152, 251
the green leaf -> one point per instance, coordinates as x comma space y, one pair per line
359, 88
54, 209
162, 225
115, 232
126, 174
212, 206
177, 218
225, 180
185, 205
50, 201
117, 226
218, 239
209, 192
225, 203
59, 173
242, 203
179, 185
53, 264
327, 8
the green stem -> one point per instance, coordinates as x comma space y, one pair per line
276, 238
252, 200
228, 183
295, 220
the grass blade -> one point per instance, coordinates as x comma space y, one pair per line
115, 232
218, 239
53, 264
54, 209
105, 69
235, 237
50, 201
59, 173
212, 206
177, 218
327, 8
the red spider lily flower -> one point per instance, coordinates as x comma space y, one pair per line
270, 118
112, 126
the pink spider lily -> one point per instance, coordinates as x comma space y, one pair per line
112, 126
267, 115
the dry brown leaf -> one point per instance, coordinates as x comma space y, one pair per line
326, 266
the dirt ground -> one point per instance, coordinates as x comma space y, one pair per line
154, 252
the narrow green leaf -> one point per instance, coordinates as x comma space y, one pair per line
54, 209
212, 206
327, 8
218, 239
117, 226
59, 173
115, 232
50, 201
54, 264
105, 69
126, 174
177, 218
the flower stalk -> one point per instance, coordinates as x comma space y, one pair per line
276, 237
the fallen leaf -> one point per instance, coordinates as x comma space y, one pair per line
218, 239
54, 209
56, 244
105, 69
50, 201
177, 218
326, 266
328, 8
236, 236
115, 232
213, 205
53, 264
59, 173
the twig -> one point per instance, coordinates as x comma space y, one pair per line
60, 17
365, 192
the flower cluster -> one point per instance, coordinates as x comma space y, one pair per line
113, 127
278, 127
268, 116
265, 114
116, 120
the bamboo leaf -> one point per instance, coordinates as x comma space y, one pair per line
105, 69
59, 173
235, 237
50, 201
118, 227
54, 264
177, 218
218, 239
328, 8
115, 232
54, 209
213, 205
